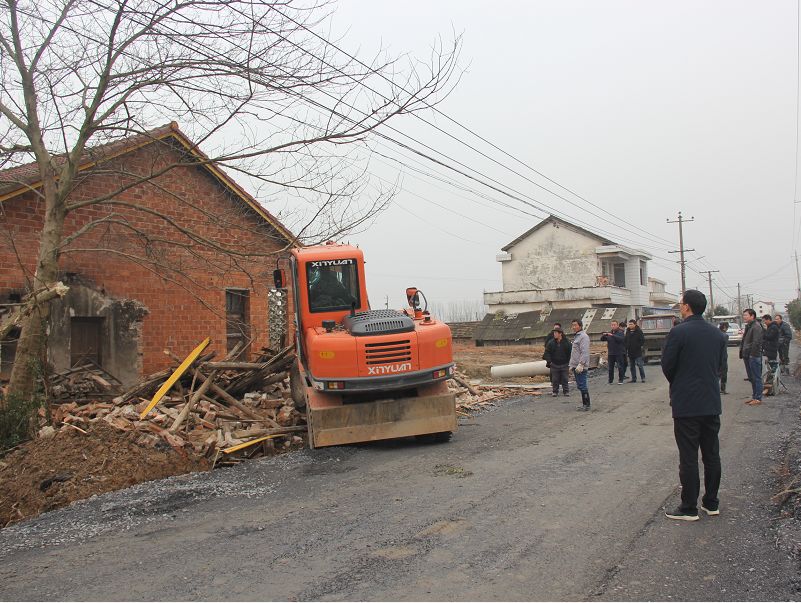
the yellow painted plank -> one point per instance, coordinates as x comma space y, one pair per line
193, 355
250, 443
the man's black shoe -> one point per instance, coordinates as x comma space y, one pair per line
710, 510
681, 515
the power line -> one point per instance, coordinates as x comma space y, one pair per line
381, 75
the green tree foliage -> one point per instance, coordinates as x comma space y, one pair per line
794, 313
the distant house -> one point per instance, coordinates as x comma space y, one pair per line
121, 313
764, 307
657, 296
557, 265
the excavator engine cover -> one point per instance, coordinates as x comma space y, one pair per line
378, 322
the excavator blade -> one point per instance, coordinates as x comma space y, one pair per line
332, 423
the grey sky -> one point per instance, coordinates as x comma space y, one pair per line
643, 108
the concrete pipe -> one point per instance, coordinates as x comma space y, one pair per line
524, 369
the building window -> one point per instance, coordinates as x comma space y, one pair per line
237, 318
86, 338
643, 274
620, 275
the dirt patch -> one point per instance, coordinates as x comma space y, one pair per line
476, 361
48, 473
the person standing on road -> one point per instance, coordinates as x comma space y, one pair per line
785, 337
579, 361
751, 353
770, 347
615, 351
557, 358
724, 364
635, 340
549, 338
691, 359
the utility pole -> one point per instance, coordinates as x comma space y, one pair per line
797, 276
739, 301
711, 297
681, 248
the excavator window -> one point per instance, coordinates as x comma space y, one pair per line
333, 285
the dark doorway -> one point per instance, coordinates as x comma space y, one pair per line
86, 336
237, 319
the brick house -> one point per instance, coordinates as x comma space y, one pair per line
149, 275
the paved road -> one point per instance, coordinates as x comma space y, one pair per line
530, 501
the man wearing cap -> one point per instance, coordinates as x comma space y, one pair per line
557, 358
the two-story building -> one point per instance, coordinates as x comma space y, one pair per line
557, 265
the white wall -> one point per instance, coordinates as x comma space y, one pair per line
552, 257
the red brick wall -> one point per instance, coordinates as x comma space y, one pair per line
186, 302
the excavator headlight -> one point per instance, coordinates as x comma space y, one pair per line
440, 373
334, 385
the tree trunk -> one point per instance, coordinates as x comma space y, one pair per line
32, 344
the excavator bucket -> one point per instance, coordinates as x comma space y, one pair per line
332, 423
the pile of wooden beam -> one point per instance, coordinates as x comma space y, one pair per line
86, 381
472, 398
225, 410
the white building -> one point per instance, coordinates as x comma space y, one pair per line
557, 265
658, 297
764, 307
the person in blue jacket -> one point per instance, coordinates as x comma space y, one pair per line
615, 351
691, 360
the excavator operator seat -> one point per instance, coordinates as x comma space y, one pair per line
333, 287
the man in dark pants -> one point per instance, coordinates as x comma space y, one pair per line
691, 360
615, 351
724, 367
635, 341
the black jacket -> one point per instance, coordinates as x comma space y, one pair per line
634, 341
615, 345
770, 341
751, 344
557, 352
785, 333
691, 360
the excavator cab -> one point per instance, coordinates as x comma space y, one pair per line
363, 374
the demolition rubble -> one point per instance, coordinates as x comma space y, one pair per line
96, 438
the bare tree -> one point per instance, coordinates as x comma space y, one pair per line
465, 310
250, 81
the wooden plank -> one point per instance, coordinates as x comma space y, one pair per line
177, 374
246, 444
192, 401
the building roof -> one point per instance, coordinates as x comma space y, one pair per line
19, 179
551, 219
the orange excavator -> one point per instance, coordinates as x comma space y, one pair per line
363, 374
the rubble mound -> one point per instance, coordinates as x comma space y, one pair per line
69, 465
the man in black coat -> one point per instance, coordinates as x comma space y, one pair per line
691, 361
615, 351
557, 357
635, 340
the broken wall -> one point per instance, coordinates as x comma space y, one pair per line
120, 330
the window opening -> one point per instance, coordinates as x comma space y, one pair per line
333, 286
237, 319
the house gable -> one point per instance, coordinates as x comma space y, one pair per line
552, 255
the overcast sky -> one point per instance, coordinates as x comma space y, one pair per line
642, 108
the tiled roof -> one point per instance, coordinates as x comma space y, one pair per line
16, 180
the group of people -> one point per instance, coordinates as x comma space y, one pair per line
625, 348
695, 363
770, 339
561, 356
